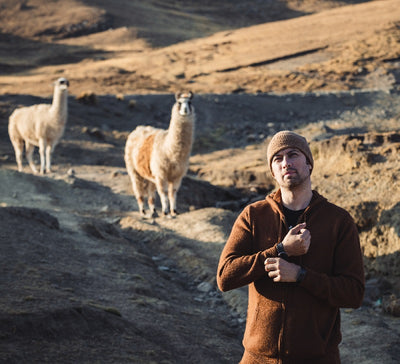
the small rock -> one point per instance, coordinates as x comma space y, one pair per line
391, 305
88, 98
204, 287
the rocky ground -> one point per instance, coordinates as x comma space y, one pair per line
83, 278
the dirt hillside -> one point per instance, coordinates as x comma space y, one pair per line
83, 278
356, 47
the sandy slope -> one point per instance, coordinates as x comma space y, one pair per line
334, 49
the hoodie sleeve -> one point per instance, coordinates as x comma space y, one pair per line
240, 263
345, 286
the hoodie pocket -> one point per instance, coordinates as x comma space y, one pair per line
263, 327
311, 329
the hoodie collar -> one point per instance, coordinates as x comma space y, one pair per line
276, 198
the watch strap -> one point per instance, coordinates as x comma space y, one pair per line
301, 275
281, 251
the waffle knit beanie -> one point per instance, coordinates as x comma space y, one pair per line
288, 139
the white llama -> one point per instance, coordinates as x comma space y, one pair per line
40, 125
157, 159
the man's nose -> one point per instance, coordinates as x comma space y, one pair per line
286, 162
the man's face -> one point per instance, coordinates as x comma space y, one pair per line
290, 168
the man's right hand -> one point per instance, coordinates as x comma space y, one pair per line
297, 240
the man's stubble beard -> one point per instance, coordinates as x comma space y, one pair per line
295, 181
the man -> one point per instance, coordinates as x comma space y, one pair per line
300, 256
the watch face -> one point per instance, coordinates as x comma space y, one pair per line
280, 249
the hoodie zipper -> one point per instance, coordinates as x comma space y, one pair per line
283, 224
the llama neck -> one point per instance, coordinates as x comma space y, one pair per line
59, 104
178, 141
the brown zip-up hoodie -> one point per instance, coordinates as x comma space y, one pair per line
290, 322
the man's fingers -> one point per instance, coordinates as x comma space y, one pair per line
298, 228
270, 264
269, 267
273, 274
305, 232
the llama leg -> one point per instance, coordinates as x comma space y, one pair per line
29, 148
139, 190
140, 202
137, 183
164, 202
42, 149
19, 149
49, 151
140, 199
162, 189
151, 191
172, 193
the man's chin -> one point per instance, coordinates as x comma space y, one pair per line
290, 183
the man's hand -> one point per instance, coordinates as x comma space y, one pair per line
281, 270
297, 240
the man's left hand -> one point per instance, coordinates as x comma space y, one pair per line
281, 270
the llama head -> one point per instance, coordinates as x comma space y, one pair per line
62, 83
184, 101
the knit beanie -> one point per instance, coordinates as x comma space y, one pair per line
288, 139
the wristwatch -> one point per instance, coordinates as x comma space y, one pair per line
301, 275
281, 251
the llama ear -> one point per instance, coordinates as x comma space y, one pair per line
190, 93
177, 95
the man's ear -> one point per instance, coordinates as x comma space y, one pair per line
272, 172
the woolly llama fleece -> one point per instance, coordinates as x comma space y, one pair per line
40, 126
158, 159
